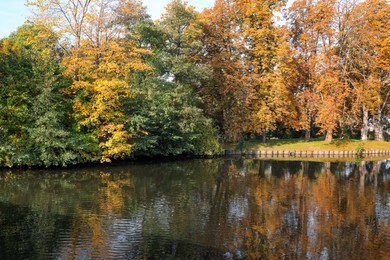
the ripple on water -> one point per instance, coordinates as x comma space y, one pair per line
208, 213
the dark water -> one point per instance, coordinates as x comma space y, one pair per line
198, 209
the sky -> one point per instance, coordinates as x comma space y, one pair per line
13, 13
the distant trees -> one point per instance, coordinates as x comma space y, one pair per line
94, 80
323, 70
365, 55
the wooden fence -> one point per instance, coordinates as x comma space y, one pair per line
306, 154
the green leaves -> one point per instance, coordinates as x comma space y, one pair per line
167, 118
36, 115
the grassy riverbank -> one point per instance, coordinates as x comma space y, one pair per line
316, 145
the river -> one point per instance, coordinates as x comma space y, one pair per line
198, 209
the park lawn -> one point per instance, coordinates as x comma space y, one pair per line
316, 145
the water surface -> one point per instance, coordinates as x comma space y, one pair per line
198, 209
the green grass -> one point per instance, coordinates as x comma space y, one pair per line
316, 145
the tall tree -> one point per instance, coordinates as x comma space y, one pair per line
320, 90
226, 94
168, 115
366, 61
41, 130
330, 88
100, 53
302, 24
245, 47
270, 100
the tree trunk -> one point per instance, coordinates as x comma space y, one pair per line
264, 137
307, 135
379, 127
364, 131
328, 137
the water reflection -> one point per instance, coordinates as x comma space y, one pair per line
198, 209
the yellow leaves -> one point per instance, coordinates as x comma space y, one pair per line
101, 112
7, 46
104, 101
114, 142
136, 62
100, 53
111, 60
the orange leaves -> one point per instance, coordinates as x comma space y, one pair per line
246, 50
320, 89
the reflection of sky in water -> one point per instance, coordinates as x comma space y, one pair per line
349, 167
237, 208
382, 208
312, 230
291, 216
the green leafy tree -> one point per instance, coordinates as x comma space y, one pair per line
167, 113
36, 114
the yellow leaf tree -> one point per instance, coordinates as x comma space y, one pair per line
101, 52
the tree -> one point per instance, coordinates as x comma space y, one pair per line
270, 99
167, 114
330, 88
41, 131
250, 91
321, 91
366, 62
302, 24
100, 53
226, 94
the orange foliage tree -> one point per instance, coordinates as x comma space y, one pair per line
228, 90
321, 91
366, 59
270, 97
242, 46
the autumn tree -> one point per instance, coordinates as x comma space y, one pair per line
37, 125
100, 53
301, 24
246, 49
330, 88
226, 94
365, 55
271, 99
321, 91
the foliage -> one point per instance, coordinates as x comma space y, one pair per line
166, 124
89, 80
226, 93
360, 149
35, 113
167, 116
100, 54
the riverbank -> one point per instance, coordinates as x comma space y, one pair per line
300, 148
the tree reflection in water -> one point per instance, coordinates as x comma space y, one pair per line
221, 208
